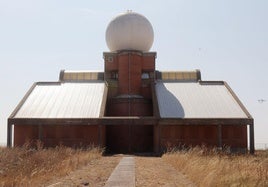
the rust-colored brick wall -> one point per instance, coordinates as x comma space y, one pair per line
146, 90
234, 136
113, 89
129, 73
124, 77
148, 63
70, 135
187, 135
24, 133
111, 62
126, 68
130, 107
53, 135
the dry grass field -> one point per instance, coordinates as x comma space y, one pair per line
62, 166
24, 166
211, 168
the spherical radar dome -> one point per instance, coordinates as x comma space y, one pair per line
129, 31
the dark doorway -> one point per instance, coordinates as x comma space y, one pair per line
129, 138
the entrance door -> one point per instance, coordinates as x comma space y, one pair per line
129, 138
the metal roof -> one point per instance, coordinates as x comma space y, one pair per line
63, 100
197, 100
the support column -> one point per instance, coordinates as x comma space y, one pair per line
9, 135
220, 137
40, 132
251, 139
100, 136
156, 139
129, 139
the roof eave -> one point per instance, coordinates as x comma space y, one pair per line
150, 120
206, 121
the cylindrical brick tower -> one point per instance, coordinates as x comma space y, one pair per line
129, 67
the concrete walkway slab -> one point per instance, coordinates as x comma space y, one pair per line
123, 174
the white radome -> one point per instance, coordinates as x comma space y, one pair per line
129, 31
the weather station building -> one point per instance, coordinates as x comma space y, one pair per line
131, 107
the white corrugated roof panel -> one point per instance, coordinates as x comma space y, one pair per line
195, 100
63, 100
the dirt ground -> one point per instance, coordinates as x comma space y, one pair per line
94, 174
149, 171
153, 171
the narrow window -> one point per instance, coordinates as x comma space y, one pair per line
114, 75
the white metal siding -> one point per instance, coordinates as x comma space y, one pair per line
65, 100
194, 100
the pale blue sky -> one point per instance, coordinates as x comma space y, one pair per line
226, 39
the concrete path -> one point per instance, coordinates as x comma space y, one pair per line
123, 174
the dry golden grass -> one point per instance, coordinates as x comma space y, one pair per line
25, 166
154, 171
212, 168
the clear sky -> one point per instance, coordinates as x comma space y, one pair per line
226, 39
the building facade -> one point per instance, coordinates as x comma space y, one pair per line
131, 107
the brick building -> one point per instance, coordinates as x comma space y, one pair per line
131, 107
